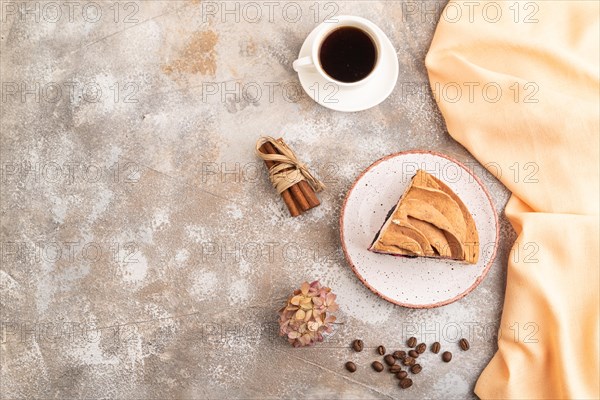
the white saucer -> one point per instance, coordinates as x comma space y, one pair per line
414, 282
356, 98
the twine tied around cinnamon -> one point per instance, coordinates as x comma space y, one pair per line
287, 170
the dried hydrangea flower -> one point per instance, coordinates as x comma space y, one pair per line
304, 318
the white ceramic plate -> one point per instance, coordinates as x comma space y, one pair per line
354, 98
414, 282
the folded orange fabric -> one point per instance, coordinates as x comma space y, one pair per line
518, 84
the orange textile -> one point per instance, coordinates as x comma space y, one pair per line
518, 86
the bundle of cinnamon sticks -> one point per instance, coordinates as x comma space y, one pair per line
299, 197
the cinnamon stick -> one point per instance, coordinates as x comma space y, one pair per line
297, 194
309, 193
286, 195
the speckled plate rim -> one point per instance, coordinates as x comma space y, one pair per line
408, 305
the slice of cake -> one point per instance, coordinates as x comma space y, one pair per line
429, 220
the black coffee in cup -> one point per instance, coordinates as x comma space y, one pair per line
348, 54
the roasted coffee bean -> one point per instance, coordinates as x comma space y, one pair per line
436, 347
406, 383
413, 354
358, 345
399, 354
421, 348
408, 360
394, 369
389, 359
350, 366
401, 375
377, 366
381, 350
411, 342
415, 369
446, 356
464, 344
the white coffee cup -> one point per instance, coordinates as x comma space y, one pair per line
323, 31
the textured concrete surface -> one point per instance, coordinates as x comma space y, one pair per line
144, 254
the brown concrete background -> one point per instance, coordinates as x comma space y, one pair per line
144, 254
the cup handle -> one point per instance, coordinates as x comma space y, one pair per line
302, 63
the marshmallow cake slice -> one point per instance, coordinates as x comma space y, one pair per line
430, 220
